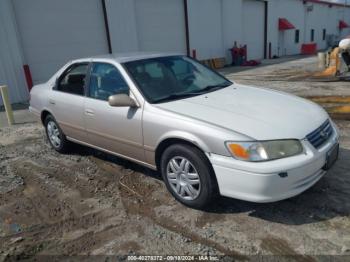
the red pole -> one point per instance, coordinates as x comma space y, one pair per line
28, 76
194, 53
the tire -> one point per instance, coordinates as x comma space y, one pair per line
55, 136
189, 176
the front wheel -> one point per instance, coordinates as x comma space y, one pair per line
188, 175
55, 135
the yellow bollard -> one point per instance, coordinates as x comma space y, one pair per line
322, 60
7, 104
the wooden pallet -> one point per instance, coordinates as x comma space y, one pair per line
215, 63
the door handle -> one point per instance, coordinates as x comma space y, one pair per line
52, 102
89, 112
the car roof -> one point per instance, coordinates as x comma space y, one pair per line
127, 57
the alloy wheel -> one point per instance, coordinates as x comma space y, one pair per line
183, 178
54, 134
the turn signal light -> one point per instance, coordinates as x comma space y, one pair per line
239, 151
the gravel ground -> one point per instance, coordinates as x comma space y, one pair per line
88, 202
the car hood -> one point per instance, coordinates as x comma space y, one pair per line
258, 113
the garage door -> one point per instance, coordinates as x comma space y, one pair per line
54, 32
161, 25
253, 28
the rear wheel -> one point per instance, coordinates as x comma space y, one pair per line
56, 137
188, 175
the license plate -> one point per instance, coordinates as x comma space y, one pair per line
332, 157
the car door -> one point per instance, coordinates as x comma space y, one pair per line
116, 129
66, 101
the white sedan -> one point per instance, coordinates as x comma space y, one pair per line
205, 135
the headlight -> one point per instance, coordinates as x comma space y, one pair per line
264, 150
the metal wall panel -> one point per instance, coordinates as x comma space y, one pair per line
160, 25
253, 15
147, 25
206, 28
11, 62
54, 32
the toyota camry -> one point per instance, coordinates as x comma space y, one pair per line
206, 135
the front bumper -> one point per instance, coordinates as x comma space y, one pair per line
262, 182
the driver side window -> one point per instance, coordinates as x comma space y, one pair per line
105, 81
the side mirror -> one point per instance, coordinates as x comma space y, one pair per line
121, 100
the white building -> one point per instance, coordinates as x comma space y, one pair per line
45, 34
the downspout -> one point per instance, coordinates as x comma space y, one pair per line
266, 29
187, 30
305, 23
108, 35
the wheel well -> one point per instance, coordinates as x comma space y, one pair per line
168, 142
171, 141
44, 114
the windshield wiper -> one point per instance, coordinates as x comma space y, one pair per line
213, 88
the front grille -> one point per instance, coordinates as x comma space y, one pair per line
321, 135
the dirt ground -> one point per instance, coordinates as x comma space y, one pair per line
292, 75
88, 202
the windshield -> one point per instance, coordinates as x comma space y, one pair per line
165, 79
